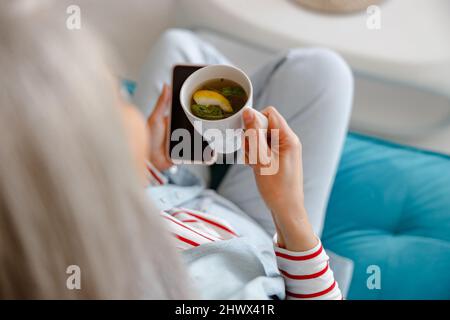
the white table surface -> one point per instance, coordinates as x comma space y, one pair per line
412, 46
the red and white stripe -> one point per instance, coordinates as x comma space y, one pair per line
154, 176
192, 228
205, 221
186, 236
307, 274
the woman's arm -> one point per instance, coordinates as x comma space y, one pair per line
300, 256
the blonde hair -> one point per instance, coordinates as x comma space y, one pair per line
69, 194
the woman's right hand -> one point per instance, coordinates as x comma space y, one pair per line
279, 176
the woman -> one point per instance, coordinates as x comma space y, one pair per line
69, 195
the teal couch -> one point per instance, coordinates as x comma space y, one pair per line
390, 207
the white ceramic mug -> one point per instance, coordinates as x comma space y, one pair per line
229, 142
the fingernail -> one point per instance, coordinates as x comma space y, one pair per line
248, 116
165, 92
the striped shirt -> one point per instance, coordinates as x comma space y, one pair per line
307, 274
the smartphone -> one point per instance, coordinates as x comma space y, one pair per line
198, 150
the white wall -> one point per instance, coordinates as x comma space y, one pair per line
129, 25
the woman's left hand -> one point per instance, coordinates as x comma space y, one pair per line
158, 123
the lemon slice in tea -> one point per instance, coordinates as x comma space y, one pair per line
212, 98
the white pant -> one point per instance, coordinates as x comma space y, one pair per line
311, 88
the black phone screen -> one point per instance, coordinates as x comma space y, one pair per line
179, 120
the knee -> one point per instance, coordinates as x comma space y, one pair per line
175, 36
335, 67
323, 66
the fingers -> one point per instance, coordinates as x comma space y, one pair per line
257, 151
251, 121
166, 138
162, 103
277, 122
248, 117
158, 124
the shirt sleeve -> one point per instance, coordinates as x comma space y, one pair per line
154, 176
307, 274
193, 228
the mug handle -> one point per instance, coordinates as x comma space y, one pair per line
262, 118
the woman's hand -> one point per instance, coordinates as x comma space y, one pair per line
282, 186
157, 124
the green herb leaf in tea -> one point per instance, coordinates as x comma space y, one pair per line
233, 92
209, 112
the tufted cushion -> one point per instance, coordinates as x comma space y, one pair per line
390, 207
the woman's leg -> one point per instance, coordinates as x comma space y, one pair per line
175, 46
313, 90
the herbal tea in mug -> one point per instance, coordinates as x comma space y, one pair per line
218, 99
